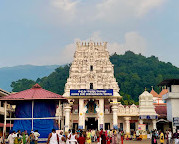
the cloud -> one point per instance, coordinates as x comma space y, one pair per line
114, 10
82, 12
64, 9
133, 42
146, 6
65, 5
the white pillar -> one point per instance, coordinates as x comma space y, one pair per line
67, 109
154, 124
59, 107
5, 116
10, 120
101, 114
82, 111
32, 115
115, 117
127, 121
141, 121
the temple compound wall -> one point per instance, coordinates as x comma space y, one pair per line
93, 95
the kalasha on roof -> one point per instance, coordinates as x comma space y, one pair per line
35, 93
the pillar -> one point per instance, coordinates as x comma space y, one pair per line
5, 116
82, 112
127, 121
154, 124
115, 117
67, 109
59, 112
101, 114
141, 121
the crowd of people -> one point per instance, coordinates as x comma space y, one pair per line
89, 136
23, 137
82, 137
168, 135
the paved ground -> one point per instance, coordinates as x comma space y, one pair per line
139, 142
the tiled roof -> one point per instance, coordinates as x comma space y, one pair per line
163, 92
3, 92
161, 110
155, 94
36, 92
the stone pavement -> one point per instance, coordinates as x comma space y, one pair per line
148, 141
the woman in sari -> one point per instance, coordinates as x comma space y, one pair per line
88, 137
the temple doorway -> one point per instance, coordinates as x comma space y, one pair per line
91, 107
91, 123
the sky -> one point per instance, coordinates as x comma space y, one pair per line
44, 32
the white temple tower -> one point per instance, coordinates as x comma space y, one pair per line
91, 88
91, 69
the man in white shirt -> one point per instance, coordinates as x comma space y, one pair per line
169, 137
37, 135
53, 138
11, 138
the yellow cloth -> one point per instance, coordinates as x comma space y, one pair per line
88, 137
16, 140
161, 138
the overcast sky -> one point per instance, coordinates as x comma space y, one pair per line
43, 32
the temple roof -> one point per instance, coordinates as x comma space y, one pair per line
3, 92
169, 82
36, 92
154, 93
163, 92
161, 110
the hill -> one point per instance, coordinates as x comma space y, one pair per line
10, 74
133, 73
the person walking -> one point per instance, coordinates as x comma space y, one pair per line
61, 138
169, 137
73, 139
114, 138
103, 138
176, 137
88, 137
24, 140
161, 138
11, 138
68, 136
81, 139
53, 138
119, 137
31, 138
37, 135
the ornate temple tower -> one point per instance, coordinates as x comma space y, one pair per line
92, 75
91, 69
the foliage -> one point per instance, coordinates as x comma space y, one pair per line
22, 84
133, 73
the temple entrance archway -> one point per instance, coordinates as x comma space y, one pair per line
92, 123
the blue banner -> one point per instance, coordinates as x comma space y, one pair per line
91, 92
148, 117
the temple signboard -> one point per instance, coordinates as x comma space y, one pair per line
91, 92
148, 117
176, 121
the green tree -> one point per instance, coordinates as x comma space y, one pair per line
21, 85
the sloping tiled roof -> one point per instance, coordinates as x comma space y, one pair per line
154, 93
36, 92
161, 110
3, 92
164, 91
